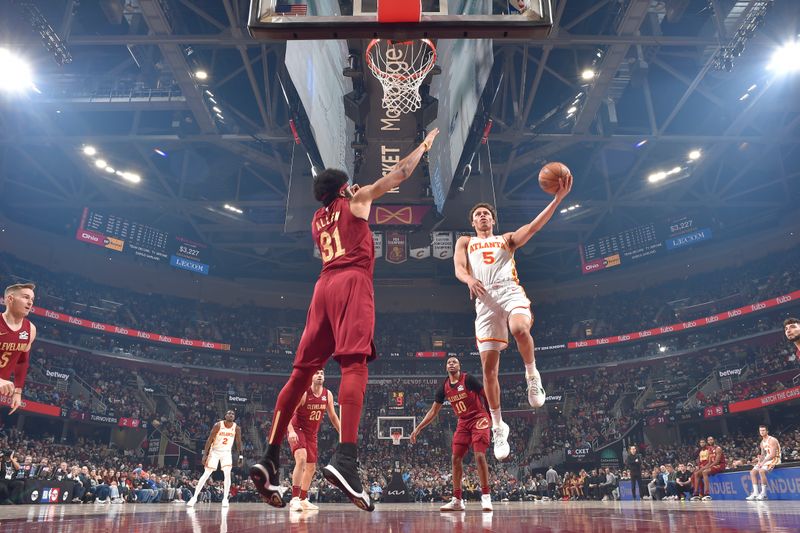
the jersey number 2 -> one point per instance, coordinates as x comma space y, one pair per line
331, 245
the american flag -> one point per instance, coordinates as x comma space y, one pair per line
291, 9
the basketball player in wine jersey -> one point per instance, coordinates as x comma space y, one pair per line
716, 464
768, 458
302, 437
218, 452
17, 334
466, 397
485, 263
340, 323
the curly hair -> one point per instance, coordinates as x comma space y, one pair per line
327, 185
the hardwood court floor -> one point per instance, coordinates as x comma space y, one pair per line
643, 517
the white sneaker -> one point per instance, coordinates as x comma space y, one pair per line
501, 446
308, 506
486, 501
225, 502
455, 504
707, 498
762, 496
752, 497
294, 504
191, 502
536, 394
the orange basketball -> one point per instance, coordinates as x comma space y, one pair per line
550, 174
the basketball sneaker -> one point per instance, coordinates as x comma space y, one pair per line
306, 505
342, 472
752, 497
763, 496
294, 504
455, 504
486, 502
707, 498
267, 482
501, 446
536, 394
225, 502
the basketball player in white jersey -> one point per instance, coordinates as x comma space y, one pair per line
769, 456
218, 452
485, 263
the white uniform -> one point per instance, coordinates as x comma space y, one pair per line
764, 445
492, 263
222, 446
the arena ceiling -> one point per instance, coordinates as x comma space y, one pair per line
669, 77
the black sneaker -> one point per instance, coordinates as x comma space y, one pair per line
342, 472
265, 477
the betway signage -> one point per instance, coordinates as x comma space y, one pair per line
232, 398
691, 324
128, 332
56, 374
730, 372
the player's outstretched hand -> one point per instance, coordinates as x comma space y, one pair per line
6, 387
430, 137
16, 401
413, 437
564, 187
476, 288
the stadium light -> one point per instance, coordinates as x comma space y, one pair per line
15, 74
233, 208
100, 163
786, 59
201, 74
694, 155
588, 74
110, 170
131, 177
89, 150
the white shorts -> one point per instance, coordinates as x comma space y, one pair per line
493, 310
766, 466
217, 457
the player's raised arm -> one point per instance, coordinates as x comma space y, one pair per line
366, 194
518, 238
432, 413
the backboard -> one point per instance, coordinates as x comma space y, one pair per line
358, 19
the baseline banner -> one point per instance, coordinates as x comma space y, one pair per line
784, 484
691, 324
785, 395
128, 332
33, 407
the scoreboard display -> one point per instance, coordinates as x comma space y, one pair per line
641, 242
126, 236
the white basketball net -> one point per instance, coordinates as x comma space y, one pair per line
401, 66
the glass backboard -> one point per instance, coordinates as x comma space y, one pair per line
358, 19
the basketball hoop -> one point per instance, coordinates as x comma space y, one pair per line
396, 436
400, 67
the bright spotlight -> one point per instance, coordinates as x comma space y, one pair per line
201, 74
694, 155
89, 150
15, 74
786, 59
110, 170
588, 74
100, 163
131, 177
571, 110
